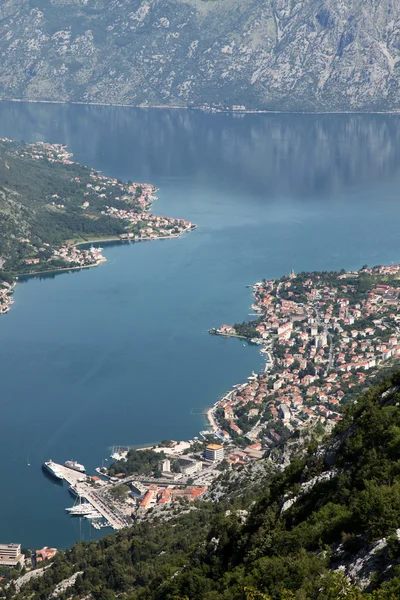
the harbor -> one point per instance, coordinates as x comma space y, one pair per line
90, 490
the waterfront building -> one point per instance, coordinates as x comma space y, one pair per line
45, 554
214, 452
10, 555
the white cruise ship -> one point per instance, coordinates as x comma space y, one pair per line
52, 468
72, 464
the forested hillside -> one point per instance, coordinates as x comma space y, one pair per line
324, 528
278, 55
47, 199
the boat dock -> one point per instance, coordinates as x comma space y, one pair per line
70, 475
94, 497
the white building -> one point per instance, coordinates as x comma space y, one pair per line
164, 465
188, 467
214, 452
285, 412
10, 555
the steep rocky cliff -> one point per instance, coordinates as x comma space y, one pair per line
276, 54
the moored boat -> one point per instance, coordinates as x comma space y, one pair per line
72, 464
52, 468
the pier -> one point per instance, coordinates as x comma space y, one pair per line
93, 496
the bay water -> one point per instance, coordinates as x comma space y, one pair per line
120, 354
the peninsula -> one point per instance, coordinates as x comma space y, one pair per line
49, 204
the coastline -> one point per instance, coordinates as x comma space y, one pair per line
60, 270
211, 419
103, 260
118, 239
212, 110
69, 246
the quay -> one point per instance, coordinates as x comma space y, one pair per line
88, 492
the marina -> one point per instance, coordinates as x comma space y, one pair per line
94, 505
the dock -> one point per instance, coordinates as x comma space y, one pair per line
94, 497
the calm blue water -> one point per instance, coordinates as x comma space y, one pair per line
119, 354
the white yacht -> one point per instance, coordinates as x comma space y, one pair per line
80, 509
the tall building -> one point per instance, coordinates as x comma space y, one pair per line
10, 555
214, 452
164, 465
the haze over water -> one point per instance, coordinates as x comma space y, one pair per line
119, 354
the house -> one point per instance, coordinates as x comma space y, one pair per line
32, 261
45, 554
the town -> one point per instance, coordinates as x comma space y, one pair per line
323, 335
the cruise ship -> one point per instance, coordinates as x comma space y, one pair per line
72, 464
52, 468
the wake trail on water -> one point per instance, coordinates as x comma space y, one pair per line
82, 415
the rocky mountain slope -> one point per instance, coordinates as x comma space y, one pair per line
276, 54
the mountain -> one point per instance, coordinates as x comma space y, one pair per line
324, 528
287, 55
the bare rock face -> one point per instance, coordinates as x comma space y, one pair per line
278, 55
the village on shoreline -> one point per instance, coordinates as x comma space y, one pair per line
102, 197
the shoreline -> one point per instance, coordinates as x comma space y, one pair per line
60, 270
103, 260
211, 110
131, 240
211, 419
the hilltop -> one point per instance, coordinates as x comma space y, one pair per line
326, 527
290, 56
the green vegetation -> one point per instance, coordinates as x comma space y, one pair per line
120, 492
41, 198
247, 329
211, 553
141, 462
166, 443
